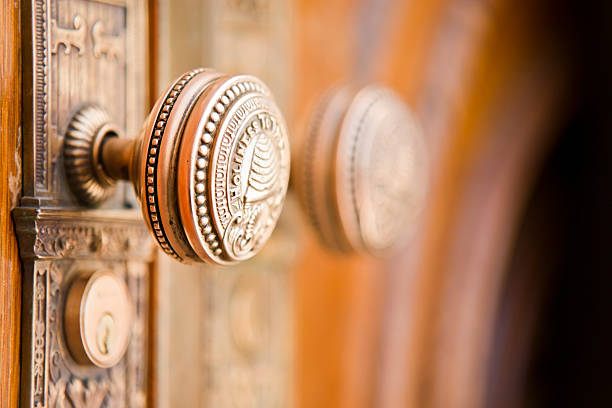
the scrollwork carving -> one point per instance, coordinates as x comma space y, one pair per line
104, 44
69, 37
60, 242
40, 333
58, 63
55, 383
76, 239
66, 42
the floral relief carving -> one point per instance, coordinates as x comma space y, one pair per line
87, 396
56, 238
54, 381
76, 241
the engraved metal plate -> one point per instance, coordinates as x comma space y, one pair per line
55, 246
74, 53
77, 52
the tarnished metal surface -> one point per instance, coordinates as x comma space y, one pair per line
77, 53
56, 247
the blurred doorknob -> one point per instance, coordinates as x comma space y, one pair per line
362, 171
210, 166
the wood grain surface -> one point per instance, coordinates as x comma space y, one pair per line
10, 187
484, 78
337, 298
340, 300
489, 120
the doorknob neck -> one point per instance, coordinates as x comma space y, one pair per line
117, 157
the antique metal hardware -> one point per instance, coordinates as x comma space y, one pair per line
98, 318
210, 167
56, 246
75, 53
362, 171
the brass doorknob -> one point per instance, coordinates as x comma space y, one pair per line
210, 167
362, 172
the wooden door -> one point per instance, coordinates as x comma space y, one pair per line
10, 186
451, 318
367, 330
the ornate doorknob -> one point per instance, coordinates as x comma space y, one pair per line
362, 171
210, 166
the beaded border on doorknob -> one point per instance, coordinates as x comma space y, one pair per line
210, 167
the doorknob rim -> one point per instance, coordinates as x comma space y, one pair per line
155, 162
221, 121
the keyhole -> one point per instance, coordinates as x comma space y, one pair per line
105, 333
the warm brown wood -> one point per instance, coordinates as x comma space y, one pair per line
408, 35
341, 301
338, 299
496, 119
373, 334
483, 77
10, 188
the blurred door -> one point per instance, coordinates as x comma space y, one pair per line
300, 325
362, 331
